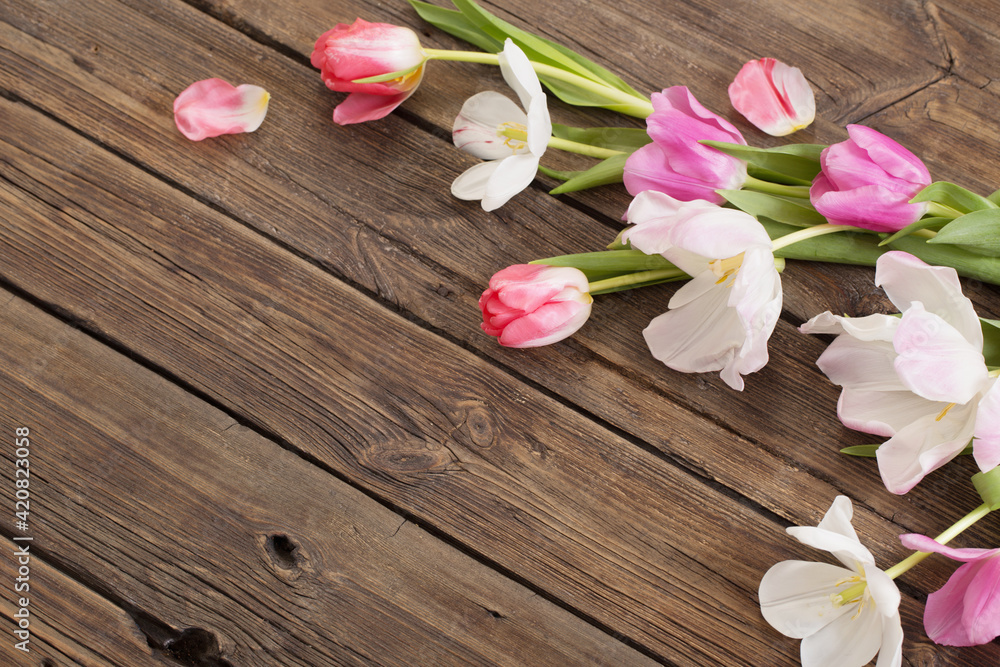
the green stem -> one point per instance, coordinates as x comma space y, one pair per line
904, 565
628, 279
799, 191
810, 232
939, 210
636, 106
582, 149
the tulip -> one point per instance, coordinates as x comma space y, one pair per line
675, 163
529, 305
214, 107
511, 163
723, 317
868, 181
918, 379
773, 96
805, 600
362, 50
966, 610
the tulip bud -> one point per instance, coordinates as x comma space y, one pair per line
530, 305
214, 107
675, 163
362, 50
868, 181
774, 97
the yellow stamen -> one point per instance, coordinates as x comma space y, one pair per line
724, 268
944, 412
506, 129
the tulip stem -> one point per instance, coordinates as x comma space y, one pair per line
630, 105
810, 232
916, 557
797, 191
635, 279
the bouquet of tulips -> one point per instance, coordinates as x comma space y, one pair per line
712, 210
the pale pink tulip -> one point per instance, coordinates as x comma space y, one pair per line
362, 50
529, 305
213, 107
773, 96
675, 163
966, 610
868, 181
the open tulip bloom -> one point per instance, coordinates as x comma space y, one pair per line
966, 611
805, 600
918, 379
723, 317
511, 163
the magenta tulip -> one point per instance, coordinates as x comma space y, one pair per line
675, 163
966, 610
529, 305
214, 107
773, 96
868, 181
362, 50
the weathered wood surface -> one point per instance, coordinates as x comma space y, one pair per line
577, 504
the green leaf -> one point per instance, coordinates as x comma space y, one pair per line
842, 248
609, 263
988, 486
978, 231
867, 451
625, 139
781, 209
605, 172
954, 196
968, 264
995, 197
802, 167
456, 24
922, 223
772, 176
991, 341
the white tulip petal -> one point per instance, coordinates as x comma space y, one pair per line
471, 184
475, 128
848, 550
796, 596
986, 446
699, 337
924, 446
539, 126
695, 288
891, 652
512, 175
883, 592
863, 366
883, 412
868, 328
935, 361
848, 641
907, 279
519, 74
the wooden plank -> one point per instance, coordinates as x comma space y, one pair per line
264, 332
212, 536
284, 182
544, 492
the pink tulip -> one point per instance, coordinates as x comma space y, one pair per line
773, 96
361, 50
213, 107
966, 610
675, 163
868, 181
529, 305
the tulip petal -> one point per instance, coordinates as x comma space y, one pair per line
861, 365
519, 74
924, 446
795, 596
512, 175
930, 545
986, 446
848, 550
214, 107
471, 184
966, 610
891, 156
362, 107
934, 360
883, 412
548, 324
776, 98
475, 127
847, 641
875, 327
906, 279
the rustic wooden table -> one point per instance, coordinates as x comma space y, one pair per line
265, 427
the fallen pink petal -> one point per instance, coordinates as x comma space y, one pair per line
214, 107
776, 98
